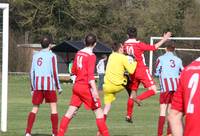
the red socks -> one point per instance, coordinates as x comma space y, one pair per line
146, 94
30, 121
54, 122
105, 117
168, 129
102, 126
63, 126
161, 123
130, 104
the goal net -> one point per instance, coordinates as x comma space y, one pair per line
187, 48
4, 24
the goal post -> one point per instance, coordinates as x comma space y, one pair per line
153, 39
4, 89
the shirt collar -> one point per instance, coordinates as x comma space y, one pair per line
46, 49
198, 59
132, 40
87, 49
169, 53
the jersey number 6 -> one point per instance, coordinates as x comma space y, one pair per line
39, 61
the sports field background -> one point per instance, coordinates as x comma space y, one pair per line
19, 105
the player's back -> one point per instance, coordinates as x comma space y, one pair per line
42, 63
168, 68
84, 66
137, 48
44, 71
170, 65
190, 86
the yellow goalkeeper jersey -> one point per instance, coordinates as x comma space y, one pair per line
117, 64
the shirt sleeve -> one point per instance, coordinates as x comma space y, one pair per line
181, 65
147, 47
177, 101
74, 66
55, 72
158, 67
98, 65
91, 67
130, 64
32, 74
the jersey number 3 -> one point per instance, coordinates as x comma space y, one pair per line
172, 63
193, 84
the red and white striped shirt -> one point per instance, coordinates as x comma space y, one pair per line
44, 73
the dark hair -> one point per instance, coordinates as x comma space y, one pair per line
116, 46
170, 45
90, 39
45, 41
132, 32
103, 56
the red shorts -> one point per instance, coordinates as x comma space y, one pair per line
39, 96
166, 97
82, 94
142, 75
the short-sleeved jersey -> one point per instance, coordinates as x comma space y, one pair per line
84, 66
137, 48
101, 66
117, 64
168, 68
44, 73
187, 98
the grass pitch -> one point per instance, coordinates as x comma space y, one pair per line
19, 105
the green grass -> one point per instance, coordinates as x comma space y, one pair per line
19, 105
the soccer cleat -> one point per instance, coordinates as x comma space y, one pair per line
129, 119
27, 134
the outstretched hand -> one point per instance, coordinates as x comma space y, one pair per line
167, 35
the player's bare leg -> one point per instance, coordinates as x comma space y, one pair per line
107, 108
101, 123
137, 99
54, 118
31, 119
130, 105
66, 120
169, 132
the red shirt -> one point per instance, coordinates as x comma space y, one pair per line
137, 48
187, 98
84, 66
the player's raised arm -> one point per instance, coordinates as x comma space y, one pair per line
166, 36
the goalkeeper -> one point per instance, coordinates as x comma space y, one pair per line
115, 80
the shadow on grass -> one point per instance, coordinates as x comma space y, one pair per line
41, 135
